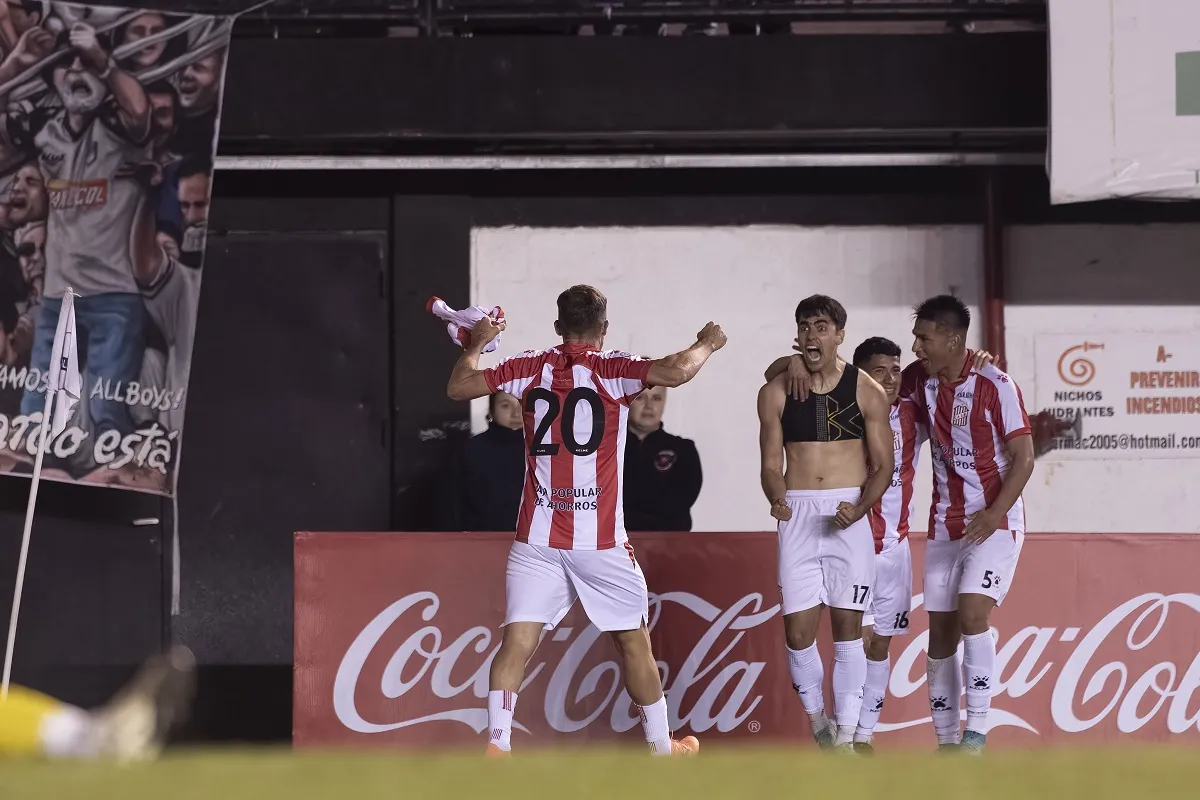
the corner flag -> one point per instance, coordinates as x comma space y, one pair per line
62, 393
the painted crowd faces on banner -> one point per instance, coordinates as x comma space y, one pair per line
107, 142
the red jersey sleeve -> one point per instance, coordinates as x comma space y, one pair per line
912, 385
514, 374
622, 375
1008, 409
913, 418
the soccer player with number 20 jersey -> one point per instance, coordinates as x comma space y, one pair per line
571, 542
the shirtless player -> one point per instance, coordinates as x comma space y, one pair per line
891, 600
826, 549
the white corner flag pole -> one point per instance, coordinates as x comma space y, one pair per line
64, 385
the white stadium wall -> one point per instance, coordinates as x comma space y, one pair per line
663, 284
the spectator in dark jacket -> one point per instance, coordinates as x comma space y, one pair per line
493, 472
662, 472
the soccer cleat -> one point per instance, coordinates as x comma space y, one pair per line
687, 746
134, 725
826, 736
864, 748
973, 743
494, 751
846, 749
948, 749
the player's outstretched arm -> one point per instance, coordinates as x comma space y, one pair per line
872, 401
467, 380
679, 368
770, 447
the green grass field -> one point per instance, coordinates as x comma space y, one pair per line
1130, 774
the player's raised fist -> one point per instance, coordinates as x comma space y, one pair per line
484, 331
712, 335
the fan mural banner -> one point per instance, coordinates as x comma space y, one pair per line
107, 143
1124, 100
1128, 395
1098, 642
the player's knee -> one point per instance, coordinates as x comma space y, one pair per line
631, 644
798, 634
520, 641
877, 647
846, 625
943, 634
974, 621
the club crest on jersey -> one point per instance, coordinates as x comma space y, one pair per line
77, 194
958, 417
664, 460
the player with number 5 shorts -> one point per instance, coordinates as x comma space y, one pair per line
982, 454
571, 541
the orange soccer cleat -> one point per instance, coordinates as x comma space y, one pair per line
687, 746
495, 752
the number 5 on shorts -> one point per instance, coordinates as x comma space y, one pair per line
990, 579
864, 590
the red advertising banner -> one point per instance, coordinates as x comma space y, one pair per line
1098, 642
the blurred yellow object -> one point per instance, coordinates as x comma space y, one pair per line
21, 718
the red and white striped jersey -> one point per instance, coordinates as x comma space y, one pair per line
889, 517
576, 401
971, 422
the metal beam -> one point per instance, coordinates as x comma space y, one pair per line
385, 163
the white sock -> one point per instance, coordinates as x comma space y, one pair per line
979, 661
501, 705
808, 673
657, 727
849, 675
874, 691
69, 732
945, 687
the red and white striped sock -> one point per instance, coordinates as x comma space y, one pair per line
501, 705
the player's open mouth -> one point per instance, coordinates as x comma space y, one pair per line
812, 353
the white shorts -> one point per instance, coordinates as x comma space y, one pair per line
818, 561
542, 583
891, 599
954, 568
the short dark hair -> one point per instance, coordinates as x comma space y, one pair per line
582, 311
945, 309
821, 304
195, 165
875, 346
165, 87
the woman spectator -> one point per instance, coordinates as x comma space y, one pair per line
493, 471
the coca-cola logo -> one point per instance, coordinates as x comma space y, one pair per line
1023, 663
729, 695
1086, 673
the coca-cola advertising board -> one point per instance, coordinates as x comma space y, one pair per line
1098, 641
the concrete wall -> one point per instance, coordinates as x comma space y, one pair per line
663, 284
